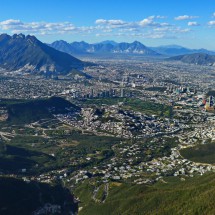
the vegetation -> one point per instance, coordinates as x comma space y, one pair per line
211, 93
35, 153
202, 59
192, 196
14, 159
27, 111
51, 145
100, 193
159, 89
150, 149
19, 197
134, 104
200, 153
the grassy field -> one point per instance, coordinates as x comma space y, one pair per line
201, 153
193, 196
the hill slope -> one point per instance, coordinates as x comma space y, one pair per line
174, 50
27, 111
198, 59
18, 197
63, 46
27, 53
193, 196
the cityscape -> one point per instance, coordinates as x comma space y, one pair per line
115, 125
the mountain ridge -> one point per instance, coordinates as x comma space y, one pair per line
197, 58
105, 47
26, 53
174, 50
135, 48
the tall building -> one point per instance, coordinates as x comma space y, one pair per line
211, 102
122, 92
209, 106
92, 93
125, 80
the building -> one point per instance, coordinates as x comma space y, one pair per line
122, 92
209, 106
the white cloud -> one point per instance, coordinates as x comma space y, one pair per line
164, 24
110, 22
101, 21
193, 24
186, 30
150, 22
16, 26
149, 27
11, 22
213, 15
120, 24
172, 30
185, 17
146, 22
211, 23
161, 17
147, 35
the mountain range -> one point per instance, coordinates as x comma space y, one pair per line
112, 47
174, 50
197, 58
105, 47
27, 53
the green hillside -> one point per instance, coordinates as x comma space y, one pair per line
13, 159
23, 198
201, 153
192, 196
27, 111
33, 153
29, 148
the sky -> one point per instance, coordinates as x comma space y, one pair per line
189, 23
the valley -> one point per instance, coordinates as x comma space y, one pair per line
138, 130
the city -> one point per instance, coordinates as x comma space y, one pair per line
107, 107
151, 119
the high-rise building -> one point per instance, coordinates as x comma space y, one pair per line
209, 106
113, 92
92, 93
211, 102
122, 92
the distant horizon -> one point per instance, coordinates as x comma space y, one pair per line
189, 24
161, 45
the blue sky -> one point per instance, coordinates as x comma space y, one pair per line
190, 23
